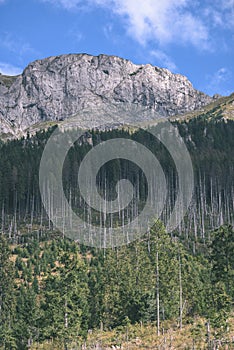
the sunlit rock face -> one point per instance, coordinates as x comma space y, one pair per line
61, 87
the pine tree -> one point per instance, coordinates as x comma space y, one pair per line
65, 305
7, 297
222, 257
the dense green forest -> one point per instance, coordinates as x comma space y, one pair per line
56, 291
53, 290
210, 144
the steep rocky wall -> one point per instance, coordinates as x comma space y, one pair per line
57, 88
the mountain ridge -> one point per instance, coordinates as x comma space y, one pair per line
63, 87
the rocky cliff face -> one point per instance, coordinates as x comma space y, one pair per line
62, 87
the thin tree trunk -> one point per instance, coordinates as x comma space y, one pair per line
157, 295
181, 295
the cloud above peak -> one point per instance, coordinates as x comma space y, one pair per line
183, 22
163, 21
164, 60
217, 81
67, 4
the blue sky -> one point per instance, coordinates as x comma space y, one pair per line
191, 37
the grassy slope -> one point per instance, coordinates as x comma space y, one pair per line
7, 80
220, 108
192, 336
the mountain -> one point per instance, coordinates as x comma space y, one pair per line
172, 288
220, 108
62, 87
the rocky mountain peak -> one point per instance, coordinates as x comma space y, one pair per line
62, 87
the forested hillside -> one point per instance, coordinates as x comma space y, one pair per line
210, 144
56, 293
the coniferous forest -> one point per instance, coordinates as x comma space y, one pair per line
56, 293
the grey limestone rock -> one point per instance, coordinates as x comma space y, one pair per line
62, 87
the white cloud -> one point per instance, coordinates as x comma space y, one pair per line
214, 16
228, 12
107, 30
75, 34
165, 21
218, 80
221, 75
228, 4
8, 69
220, 14
163, 60
67, 4
15, 44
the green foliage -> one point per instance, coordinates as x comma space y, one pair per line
65, 304
222, 273
222, 257
54, 289
7, 297
60, 293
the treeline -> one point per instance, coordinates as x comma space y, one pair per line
57, 291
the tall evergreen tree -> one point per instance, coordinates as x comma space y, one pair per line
7, 297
